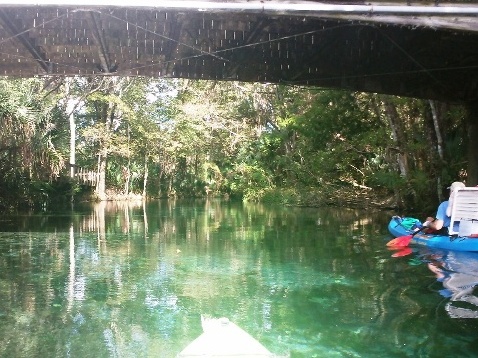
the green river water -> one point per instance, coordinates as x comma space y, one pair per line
133, 279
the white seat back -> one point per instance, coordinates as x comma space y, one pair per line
465, 210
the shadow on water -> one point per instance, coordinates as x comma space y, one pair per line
133, 279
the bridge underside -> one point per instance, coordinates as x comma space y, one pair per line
426, 56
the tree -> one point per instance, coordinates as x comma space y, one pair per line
31, 152
194, 138
472, 134
108, 113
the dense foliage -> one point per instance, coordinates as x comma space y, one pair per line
292, 145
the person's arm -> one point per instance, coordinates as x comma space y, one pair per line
434, 224
438, 221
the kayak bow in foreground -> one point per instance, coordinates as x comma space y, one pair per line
222, 338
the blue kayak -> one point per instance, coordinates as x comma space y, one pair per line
399, 226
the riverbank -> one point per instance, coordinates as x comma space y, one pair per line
330, 196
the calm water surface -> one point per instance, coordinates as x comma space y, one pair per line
132, 280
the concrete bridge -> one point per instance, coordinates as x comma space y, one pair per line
424, 49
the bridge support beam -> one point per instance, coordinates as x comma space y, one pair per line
16, 31
105, 62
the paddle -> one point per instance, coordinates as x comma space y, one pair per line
402, 241
404, 251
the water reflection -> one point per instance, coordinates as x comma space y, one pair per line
132, 280
458, 273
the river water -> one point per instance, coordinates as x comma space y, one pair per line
133, 279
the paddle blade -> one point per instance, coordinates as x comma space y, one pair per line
403, 252
400, 241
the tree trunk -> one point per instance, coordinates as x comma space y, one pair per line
472, 153
71, 105
146, 173
127, 178
106, 115
160, 176
436, 123
101, 181
170, 186
437, 112
72, 141
398, 135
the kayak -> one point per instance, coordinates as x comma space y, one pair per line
222, 338
401, 226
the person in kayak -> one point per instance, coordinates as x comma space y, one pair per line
441, 222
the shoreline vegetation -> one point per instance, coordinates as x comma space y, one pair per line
133, 138
307, 197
